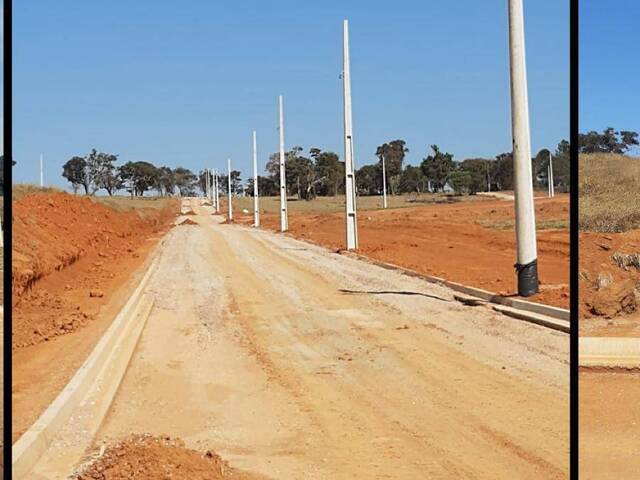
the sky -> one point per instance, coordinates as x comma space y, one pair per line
609, 71
185, 83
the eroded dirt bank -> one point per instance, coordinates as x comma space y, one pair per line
74, 263
469, 242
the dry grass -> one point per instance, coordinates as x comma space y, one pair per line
552, 224
336, 204
124, 203
609, 187
20, 190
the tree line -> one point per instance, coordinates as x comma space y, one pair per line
321, 173
609, 141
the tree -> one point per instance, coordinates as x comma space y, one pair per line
366, 180
393, 154
437, 167
480, 172
75, 171
185, 181
460, 181
329, 172
504, 171
412, 180
166, 181
101, 171
138, 177
609, 141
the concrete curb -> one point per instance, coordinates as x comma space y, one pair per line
536, 309
105, 366
609, 352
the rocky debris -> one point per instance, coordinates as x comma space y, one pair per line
618, 297
96, 293
604, 280
625, 261
187, 221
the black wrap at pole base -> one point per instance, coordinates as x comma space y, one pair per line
527, 278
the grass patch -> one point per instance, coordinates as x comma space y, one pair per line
552, 224
336, 204
21, 190
609, 187
124, 203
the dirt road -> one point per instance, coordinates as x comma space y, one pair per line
293, 362
609, 422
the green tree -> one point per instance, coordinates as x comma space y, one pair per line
480, 173
185, 181
504, 171
166, 181
369, 180
329, 172
412, 180
609, 141
460, 181
393, 154
75, 171
437, 167
101, 171
138, 177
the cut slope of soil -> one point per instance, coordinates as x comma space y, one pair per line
52, 232
606, 285
145, 457
472, 243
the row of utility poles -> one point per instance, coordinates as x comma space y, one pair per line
526, 263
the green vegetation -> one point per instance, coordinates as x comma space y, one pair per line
609, 141
321, 173
609, 192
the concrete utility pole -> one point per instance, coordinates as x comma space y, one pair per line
384, 184
284, 217
229, 189
217, 188
350, 179
256, 210
551, 181
527, 256
41, 171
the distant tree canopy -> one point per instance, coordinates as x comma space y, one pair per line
322, 173
97, 170
609, 141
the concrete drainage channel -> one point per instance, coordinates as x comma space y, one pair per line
609, 352
544, 315
87, 397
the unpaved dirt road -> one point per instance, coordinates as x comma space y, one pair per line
293, 362
609, 425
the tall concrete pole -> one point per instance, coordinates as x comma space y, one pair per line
256, 209
553, 187
229, 189
41, 171
350, 179
384, 184
284, 217
217, 190
527, 256
549, 180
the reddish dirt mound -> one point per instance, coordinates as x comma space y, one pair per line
467, 242
143, 457
56, 233
187, 221
606, 285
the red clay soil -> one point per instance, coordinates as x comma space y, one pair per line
144, 457
75, 263
56, 231
597, 269
472, 243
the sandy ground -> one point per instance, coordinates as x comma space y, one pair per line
609, 425
470, 242
293, 362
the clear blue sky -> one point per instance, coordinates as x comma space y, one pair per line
609, 70
184, 83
